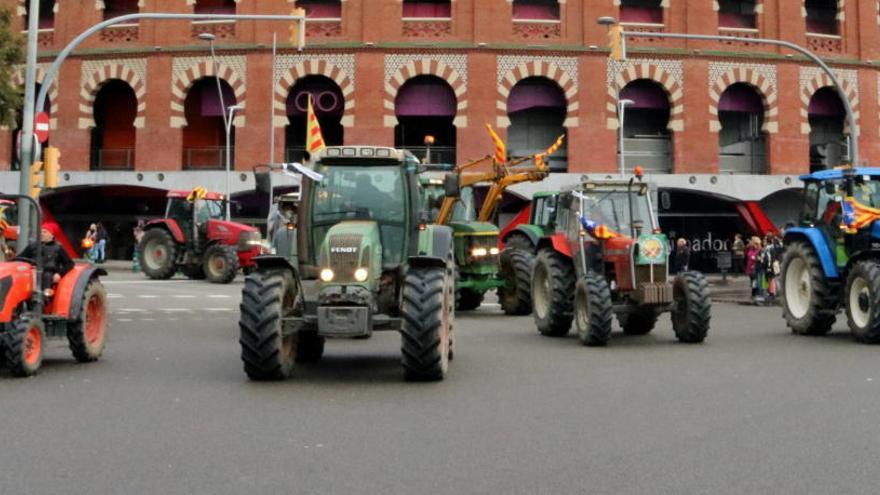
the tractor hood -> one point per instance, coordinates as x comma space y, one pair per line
351, 254
228, 232
473, 228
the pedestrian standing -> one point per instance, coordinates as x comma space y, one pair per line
682, 257
138, 233
88, 242
739, 254
100, 243
751, 257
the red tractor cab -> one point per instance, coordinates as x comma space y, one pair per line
76, 309
195, 239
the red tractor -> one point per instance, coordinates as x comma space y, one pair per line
194, 238
76, 309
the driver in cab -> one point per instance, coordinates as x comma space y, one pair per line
56, 261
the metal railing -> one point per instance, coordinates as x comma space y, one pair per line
439, 154
112, 159
206, 158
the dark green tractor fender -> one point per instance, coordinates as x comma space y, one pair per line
435, 247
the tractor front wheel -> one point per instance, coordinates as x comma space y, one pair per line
88, 333
593, 310
24, 345
516, 271
863, 301
808, 298
158, 254
267, 297
692, 307
552, 284
220, 264
427, 312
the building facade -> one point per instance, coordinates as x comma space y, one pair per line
138, 104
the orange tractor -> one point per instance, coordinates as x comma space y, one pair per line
76, 308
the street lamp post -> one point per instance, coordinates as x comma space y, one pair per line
228, 122
621, 110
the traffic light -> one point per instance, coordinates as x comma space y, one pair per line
51, 167
297, 36
615, 42
36, 179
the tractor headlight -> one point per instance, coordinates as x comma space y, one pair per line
479, 252
327, 275
361, 274
493, 251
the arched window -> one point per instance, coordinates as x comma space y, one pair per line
329, 105
426, 106
441, 9
204, 137
113, 138
214, 7
542, 10
641, 11
116, 8
826, 115
47, 15
647, 140
822, 16
537, 109
737, 14
742, 144
321, 9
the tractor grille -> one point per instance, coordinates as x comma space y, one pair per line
345, 255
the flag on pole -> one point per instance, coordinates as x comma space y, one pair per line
857, 215
314, 138
555, 146
500, 148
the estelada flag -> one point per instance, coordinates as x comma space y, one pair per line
857, 215
314, 138
500, 148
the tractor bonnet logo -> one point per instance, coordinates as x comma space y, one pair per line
343, 250
652, 248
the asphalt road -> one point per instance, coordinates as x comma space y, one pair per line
169, 410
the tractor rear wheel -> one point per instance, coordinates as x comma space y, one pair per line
519, 241
220, 264
157, 252
552, 284
809, 302
516, 271
863, 301
640, 321
468, 299
24, 345
693, 307
427, 312
266, 298
193, 271
593, 310
87, 334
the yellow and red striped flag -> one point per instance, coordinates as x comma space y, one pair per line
555, 146
500, 148
314, 138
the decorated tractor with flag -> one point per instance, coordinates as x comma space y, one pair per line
607, 257
832, 259
195, 239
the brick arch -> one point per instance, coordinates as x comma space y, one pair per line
759, 83
651, 72
182, 82
96, 81
18, 80
537, 68
314, 68
426, 67
823, 81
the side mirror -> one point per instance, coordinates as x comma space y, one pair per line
452, 185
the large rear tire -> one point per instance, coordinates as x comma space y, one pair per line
427, 313
863, 301
693, 307
25, 342
809, 300
87, 334
266, 298
593, 310
640, 321
516, 271
220, 264
552, 284
519, 241
157, 252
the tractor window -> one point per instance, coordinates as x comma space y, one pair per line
612, 209
179, 209
831, 194
811, 200
362, 193
209, 210
545, 211
463, 211
867, 193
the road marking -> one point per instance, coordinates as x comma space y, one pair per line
219, 296
123, 319
148, 319
174, 310
114, 296
218, 309
184, 296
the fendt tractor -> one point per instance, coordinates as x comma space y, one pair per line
833, 257
363, 258
600, 262
195, 239
74, 308
541, 223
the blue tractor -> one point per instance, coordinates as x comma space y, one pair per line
832, 259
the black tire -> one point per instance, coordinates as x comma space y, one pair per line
193, 271
519, 241
25, 341
593, 312
427, 316
310, 347
516, 271
157, 252
468, 299
266, 298
638, 322
693, 307
552, 285
87, 334
220, 264
862, 301
806, 280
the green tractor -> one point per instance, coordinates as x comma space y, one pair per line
542, 222
363, 258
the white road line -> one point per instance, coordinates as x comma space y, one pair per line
219, 296
147, 296
114, 296
218, 309
129, 310
176, 310
123, 319
184, 296
148, 319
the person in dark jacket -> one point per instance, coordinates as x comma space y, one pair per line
682, 257
56, 261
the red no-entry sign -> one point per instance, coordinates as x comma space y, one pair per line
41, 126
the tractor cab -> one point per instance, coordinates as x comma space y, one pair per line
193, 210
433, 193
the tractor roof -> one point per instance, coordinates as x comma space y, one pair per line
376, 155
838, 173
177, 193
